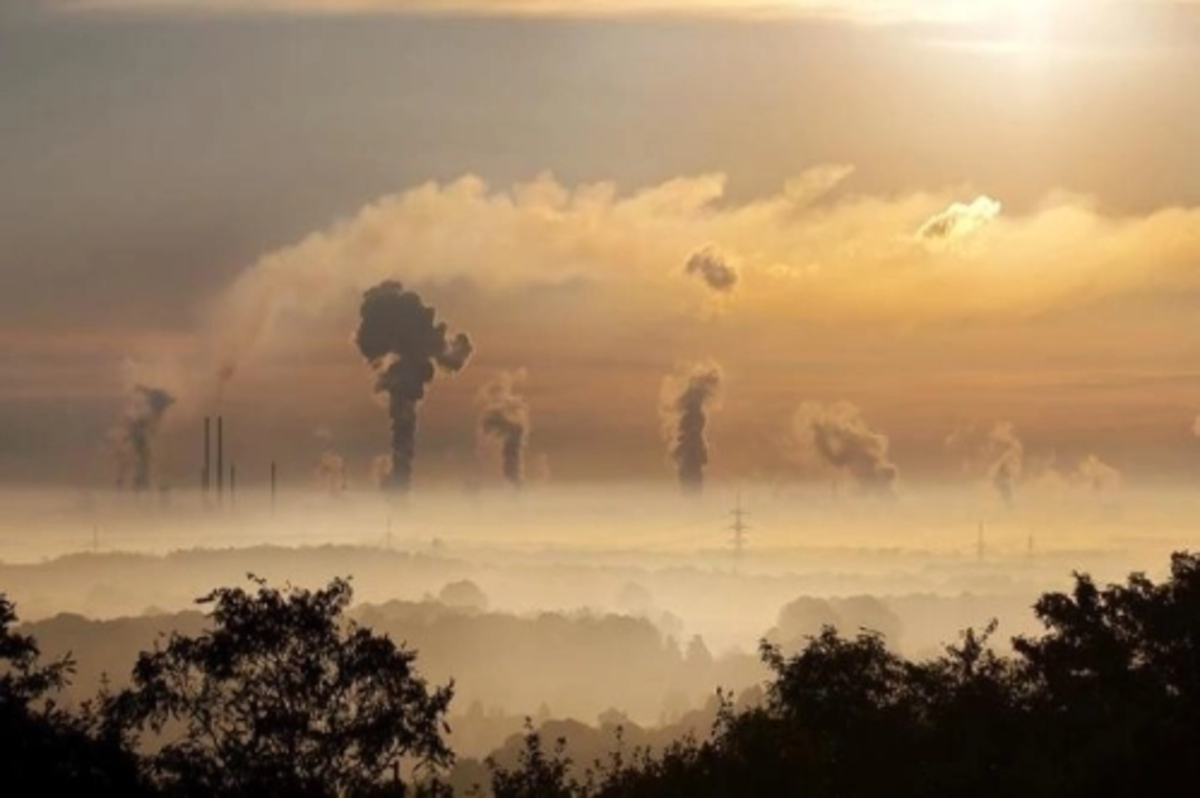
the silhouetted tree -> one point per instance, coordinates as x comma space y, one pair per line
1117, 681
1105, 702
45, 749
539, 773
283, 697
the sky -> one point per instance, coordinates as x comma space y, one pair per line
952, 218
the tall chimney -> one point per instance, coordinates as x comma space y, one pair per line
206, 475
220, 459
272, 486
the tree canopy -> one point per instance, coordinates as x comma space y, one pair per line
283, 696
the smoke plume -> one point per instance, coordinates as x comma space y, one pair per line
687, 399
400, 339
718, 271
995, 453
139, 431
1097, 475
224, 375
836, 438
504, 419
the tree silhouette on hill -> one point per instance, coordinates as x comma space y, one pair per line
45, 749
283, 697
1105, 702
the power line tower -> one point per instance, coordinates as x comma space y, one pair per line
739, 527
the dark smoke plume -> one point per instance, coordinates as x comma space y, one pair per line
400, 339
717, 271
836, 438
224, 376
687, 399
504, 418
138, 434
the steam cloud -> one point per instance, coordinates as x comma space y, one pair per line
400, 339
717, 271
330, 473
960, 220
143, 419
504, 417
687, 399
836, 437
996, 453
1098, 475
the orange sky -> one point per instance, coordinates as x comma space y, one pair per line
926, 220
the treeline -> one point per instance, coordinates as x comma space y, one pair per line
503, 662
282, 695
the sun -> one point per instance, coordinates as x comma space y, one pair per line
1022, 20
1026, 26
1007, 14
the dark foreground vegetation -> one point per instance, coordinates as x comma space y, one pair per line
281, 695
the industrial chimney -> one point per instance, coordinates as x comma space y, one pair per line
206, 475
220, 459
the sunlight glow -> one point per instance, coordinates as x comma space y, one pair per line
1020, 21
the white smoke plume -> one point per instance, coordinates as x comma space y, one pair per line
995, 453
960, 220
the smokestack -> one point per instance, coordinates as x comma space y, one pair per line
398, 336
220, 459
272, 486
206, 477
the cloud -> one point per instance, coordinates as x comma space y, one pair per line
609, 246
533, 8
715, 268
865, 10
959, 220
1002, 13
